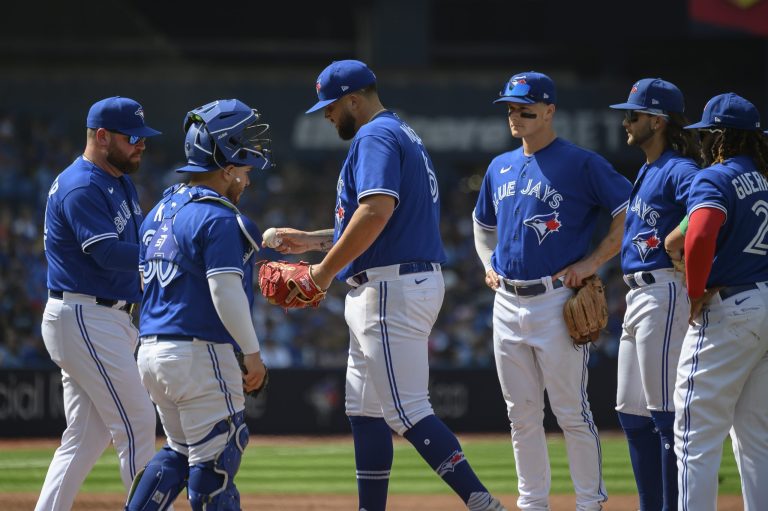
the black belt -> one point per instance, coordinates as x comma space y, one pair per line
531, 289
171, 337
405, 269
729, 291
104, 302
647, 277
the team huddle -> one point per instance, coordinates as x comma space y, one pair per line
691, 233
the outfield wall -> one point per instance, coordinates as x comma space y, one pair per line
306, 401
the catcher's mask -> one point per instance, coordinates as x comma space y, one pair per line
224, 132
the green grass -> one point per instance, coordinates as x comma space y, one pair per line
328, 467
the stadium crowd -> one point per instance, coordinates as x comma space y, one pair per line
34, 150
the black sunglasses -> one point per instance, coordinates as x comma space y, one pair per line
631, 116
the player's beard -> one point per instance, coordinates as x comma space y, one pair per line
639, 137
346, 126
122, 162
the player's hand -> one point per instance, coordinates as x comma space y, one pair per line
256, 371
698, 303
575, 274
492, 279
294, 241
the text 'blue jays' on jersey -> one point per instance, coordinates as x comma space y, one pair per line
739, 190
87, 205
656, 206
544, 207
387, 157
190, 235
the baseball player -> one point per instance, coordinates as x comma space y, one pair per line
534, 219
723, 371
197, 268
657, 307
91, 237
386, 245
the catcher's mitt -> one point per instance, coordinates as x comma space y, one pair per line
586, 312
255, 392
289, 285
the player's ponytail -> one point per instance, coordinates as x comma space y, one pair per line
685, 142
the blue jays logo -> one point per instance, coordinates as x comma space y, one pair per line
646, 242
449, 464
140, 113
543, 225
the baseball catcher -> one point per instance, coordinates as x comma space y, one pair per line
289, 285
586, 312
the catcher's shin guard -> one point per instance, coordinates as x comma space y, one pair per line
212, 484
158, 484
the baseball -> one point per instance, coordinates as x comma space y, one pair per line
271, 238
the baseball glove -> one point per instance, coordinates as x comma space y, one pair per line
289, 285
255, 392
586, 312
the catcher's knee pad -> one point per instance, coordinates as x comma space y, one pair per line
212, 483
158, 484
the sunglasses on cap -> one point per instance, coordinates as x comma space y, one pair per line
631, 115
132, 139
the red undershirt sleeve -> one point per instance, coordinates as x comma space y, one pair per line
700, 242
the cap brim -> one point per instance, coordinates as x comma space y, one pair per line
697, 125
515, 99
627, 106
144, 131
320, 104
190, 167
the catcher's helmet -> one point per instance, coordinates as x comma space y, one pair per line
222, 132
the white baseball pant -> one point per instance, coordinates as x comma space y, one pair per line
655, 323
722, 383
195, 385
103, 397
390, 318
534, 352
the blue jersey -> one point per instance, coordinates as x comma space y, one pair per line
739, 190
190, 235
87, 205
656, 206
544, 207
387, 157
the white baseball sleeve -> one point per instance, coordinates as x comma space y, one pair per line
485, 242
232, 307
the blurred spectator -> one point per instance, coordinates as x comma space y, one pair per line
31, 148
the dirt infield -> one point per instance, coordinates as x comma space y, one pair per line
111, 502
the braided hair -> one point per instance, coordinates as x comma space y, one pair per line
735, 142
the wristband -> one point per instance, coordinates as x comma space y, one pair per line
684, 225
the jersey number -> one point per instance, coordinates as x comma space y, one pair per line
757, 245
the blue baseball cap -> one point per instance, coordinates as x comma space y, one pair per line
729, 110
653, 94
119, 114
342, 77
528, 88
